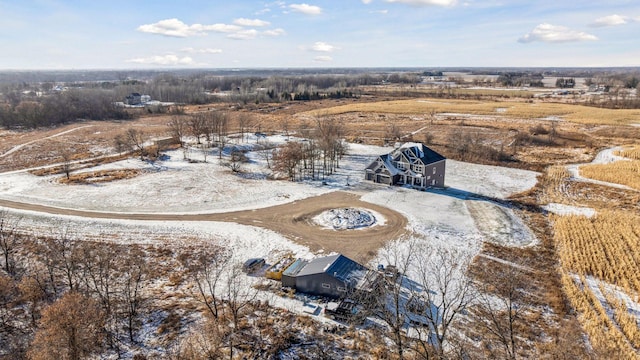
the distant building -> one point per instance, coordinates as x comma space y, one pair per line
411, 164
133, 99
333, 276
136, 99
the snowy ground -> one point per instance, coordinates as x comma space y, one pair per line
348, 219
453, 218
562, 209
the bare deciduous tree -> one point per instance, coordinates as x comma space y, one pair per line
9, 241
178, 127
245, 121
70, 328
207, 270
502, 304
448, 291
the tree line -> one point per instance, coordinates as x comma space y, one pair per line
21, 111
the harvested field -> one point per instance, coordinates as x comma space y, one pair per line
522, 110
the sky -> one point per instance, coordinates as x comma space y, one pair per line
142, 34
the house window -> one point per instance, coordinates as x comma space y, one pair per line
418, 168
434, 169
400, 165
326, 286
341, 288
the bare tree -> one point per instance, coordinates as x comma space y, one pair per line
8, 298
266, 151
236, 160
245, 121
287, 158
448, 291
425, 290
66, 162
33, 294
178, 127
70, 328
239, 295
220, 125
207, 269
9, 241
390, 306
61, 256
197, 126
501, 308
135, 140
132, 297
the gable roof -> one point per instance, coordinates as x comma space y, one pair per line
338, 266
425, 154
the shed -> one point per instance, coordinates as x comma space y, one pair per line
333, 276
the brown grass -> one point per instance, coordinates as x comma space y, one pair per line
100, 176
522, 110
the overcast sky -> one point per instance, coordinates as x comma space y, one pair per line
116, 34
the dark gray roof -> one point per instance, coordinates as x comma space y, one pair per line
338, 266
427, 155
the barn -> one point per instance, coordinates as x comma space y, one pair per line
332, 276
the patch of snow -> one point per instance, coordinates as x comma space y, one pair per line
348, 218
562, 209
605, 156
486, 180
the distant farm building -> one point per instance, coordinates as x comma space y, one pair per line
136, 99
333, 276
411, 164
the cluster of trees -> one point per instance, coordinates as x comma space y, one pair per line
521, 79
21, 111
61, 298
317, 156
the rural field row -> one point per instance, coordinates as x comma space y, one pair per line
539, 110
606, 248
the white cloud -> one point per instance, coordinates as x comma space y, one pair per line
274, 32
366, 1
383, 12
176, 28
191, 50
323, 59
555, 34
425, 2
306, 9
251, 22
244, 34
322, 47
167, 60
611, 20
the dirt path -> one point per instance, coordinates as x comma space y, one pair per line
292, 220
18, 147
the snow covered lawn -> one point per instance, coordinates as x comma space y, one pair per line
449, 217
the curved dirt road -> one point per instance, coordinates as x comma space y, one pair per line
292, 220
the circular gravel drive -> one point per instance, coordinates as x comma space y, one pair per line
293, 220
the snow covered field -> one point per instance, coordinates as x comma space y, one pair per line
446, 218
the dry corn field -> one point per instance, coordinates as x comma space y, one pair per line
606, 248
521, 110
631, 152
619, 172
